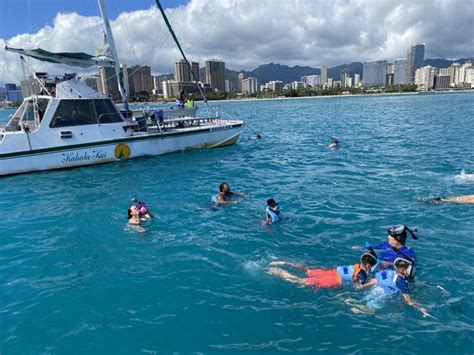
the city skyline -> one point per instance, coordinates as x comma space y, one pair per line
383, 30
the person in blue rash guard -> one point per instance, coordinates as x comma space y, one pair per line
272, 211
394, 247
391, 282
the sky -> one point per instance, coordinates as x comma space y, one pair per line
243, 33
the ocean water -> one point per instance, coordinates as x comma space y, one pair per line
76, 279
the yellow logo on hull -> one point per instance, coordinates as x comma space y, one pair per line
122, 151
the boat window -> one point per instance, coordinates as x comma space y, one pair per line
106, 111
14, 122
74, 113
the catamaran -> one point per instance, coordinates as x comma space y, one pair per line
76, 125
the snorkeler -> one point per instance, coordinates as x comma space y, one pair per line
143, 209
457, 199
225, 194
273, 212
334, 144
394, 247
320, 278
390, 282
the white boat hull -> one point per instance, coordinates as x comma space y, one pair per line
74, 155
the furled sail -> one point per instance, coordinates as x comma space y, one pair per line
78, 59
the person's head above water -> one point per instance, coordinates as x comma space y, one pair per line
368, 261
335, 141
404, 267
224, 187
271, 203
132, 211
397, 235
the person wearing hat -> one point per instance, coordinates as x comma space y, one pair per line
394, 247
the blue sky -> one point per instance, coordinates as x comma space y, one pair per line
29, 16
242, 33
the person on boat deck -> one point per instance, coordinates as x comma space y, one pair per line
180, 99
394, 247
225, 194
272, 211
334, 144
355, 275
390, 282
189, 102
456, 199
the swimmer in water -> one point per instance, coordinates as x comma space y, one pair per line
334, 144
133, 215
273, 212
355, 275
394, 247
391, 282
225, 194
469, 199
143, 209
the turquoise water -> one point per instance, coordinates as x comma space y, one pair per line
75, 279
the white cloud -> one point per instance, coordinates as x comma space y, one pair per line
247, 33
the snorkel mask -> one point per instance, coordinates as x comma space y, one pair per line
411, 269
399, 233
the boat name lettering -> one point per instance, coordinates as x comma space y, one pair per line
86, 156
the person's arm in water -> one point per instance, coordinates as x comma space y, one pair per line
370, 283
240, 194
411, 302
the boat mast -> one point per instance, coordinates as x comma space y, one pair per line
110, 40
165, 18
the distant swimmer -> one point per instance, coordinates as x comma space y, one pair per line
225, 195
355, 275
255, 137
457, 199
391, 282
334, 144
272, 211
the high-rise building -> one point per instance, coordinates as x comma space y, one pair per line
275, 85
140, 79
228, 86
250, 85
108, 82
324, 75
215, 74
399, 72
375, 73
344, 78
441, 82
329, 82
182, 72
415, 58
424, 77
240, 77
312, 80
356, 80
390, 77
